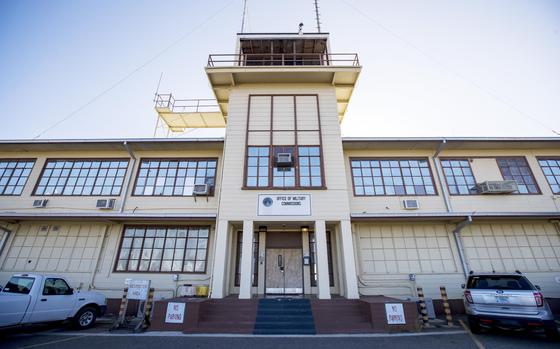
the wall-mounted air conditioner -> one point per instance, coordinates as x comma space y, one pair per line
201, 190
411, 204
40, 203
284, 160
497, 187
105, 204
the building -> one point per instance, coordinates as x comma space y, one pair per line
283, 204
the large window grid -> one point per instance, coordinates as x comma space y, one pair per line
174, 177
88, 177
517, 169
309, 166
14, 175
164, 249
459, 176
378, 177
258, 159
255, 261
313, 261
551, 170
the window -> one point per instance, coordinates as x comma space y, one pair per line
255, 265
310, 167
517, 169
551, 170
56, 287
283, 176
13, 175
392, 177
174, 177
459, 176
82, 177
257, 166
163, 249
312, 257
19, 284
499, 282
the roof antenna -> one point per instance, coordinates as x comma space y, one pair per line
317, 16
300, 32
243, 18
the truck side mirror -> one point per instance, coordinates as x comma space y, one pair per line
463, 286
538, 287
70, 291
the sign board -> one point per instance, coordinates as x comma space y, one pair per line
137, 289
284, 205
395, 313
175, 313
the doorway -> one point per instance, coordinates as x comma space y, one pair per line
284, 263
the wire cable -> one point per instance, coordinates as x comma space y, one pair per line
134, 71
450, 70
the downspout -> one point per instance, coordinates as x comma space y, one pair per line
129, 177
92, 278
440, 175
458, 242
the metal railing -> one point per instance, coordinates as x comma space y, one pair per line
284, 59
203, 105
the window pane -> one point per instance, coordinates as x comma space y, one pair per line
459, 177
551, 169
517, 169
310, 174
13, 176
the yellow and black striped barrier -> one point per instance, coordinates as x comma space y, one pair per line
423, 310
446, 308
148, 310
122, 311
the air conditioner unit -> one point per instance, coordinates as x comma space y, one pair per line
40, 203
497, 187
201, 190
105, 204
284, 160
411, 204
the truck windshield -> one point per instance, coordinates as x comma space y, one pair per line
499, 282
19, 284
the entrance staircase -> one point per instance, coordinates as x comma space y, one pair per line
284, 316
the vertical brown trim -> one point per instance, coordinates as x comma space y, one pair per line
296, 147
271, 143
246, 142
323, 179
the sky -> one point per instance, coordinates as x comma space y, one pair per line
89, 69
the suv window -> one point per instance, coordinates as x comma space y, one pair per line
499, 282
19, 284
55, 287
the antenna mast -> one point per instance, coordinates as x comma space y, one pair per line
317, 16
243, 18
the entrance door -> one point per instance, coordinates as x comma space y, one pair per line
284, 271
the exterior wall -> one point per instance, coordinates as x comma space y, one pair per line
86, 253
237, 203
140, 204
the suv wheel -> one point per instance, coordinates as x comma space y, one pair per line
85, 318
474, 325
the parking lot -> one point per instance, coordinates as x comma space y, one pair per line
51, 336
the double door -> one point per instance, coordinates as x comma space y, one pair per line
284, 271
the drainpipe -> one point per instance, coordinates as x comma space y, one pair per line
129, 177
457, 236
92, 278
440, 175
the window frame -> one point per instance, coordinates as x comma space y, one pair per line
34, 160
382, 158
254, 259
445, 177
167, 227
312, 245
541, 158
138, 168
539, 192
34, 193
55, 279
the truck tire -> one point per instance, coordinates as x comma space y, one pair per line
85, 318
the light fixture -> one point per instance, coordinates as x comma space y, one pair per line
305, 229
262, 228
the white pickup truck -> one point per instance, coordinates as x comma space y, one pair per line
31, 298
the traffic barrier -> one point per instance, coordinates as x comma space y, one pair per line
422, 303
446, 308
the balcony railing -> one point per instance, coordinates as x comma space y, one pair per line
186, 105
284, 59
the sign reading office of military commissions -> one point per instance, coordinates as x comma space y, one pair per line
284, 205
175, 313
137, 289
395, 313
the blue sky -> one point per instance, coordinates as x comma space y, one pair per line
431, 67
